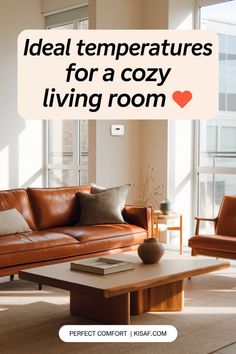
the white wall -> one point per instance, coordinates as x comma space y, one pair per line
154, 134
118, 159
181, 14
115, 14
57, 5
155, 14
154, 151
181, 170
180, 155
20, 140
167, 145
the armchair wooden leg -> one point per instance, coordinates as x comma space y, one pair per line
39, 286
11, 277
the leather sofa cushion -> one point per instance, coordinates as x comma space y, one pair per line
55, 207
38, 255
33, 240
99, 232
50, 245
226, 223
18, 199
110, 243
213, 242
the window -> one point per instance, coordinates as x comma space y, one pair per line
67, 140
71, 19
67, 152
216, 162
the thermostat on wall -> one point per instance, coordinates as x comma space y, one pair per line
117, 130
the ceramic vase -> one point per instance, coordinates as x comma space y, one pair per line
150, 251
166, 206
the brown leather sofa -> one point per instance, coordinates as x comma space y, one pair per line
52, 215
223, 242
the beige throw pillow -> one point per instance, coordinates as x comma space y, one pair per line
95, 189
12, 222
105, 207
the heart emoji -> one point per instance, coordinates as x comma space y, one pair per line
182, 98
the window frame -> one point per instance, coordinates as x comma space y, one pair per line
221, 115
76, 165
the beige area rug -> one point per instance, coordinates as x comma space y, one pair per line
30, 320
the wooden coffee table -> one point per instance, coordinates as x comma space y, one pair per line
113, 298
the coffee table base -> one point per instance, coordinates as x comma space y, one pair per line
117, 309
112, 310
167, 297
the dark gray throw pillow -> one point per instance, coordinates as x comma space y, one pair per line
105, 207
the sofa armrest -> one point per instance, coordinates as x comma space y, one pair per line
139, 215
198, 219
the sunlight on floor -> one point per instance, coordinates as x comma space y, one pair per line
25, 292
199, 310
209, 310
233, 290
27, 300
230, 274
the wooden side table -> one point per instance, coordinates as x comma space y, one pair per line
159, 218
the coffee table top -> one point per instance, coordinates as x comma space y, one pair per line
171, 268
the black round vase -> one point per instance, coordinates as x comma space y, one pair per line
150, 251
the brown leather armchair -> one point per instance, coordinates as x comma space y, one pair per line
223, 242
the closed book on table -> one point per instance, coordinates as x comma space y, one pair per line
101, 265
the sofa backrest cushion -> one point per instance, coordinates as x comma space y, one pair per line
55, 207
18, 199
226, 223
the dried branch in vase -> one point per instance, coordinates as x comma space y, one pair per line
151, 192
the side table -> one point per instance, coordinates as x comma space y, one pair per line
160, 221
